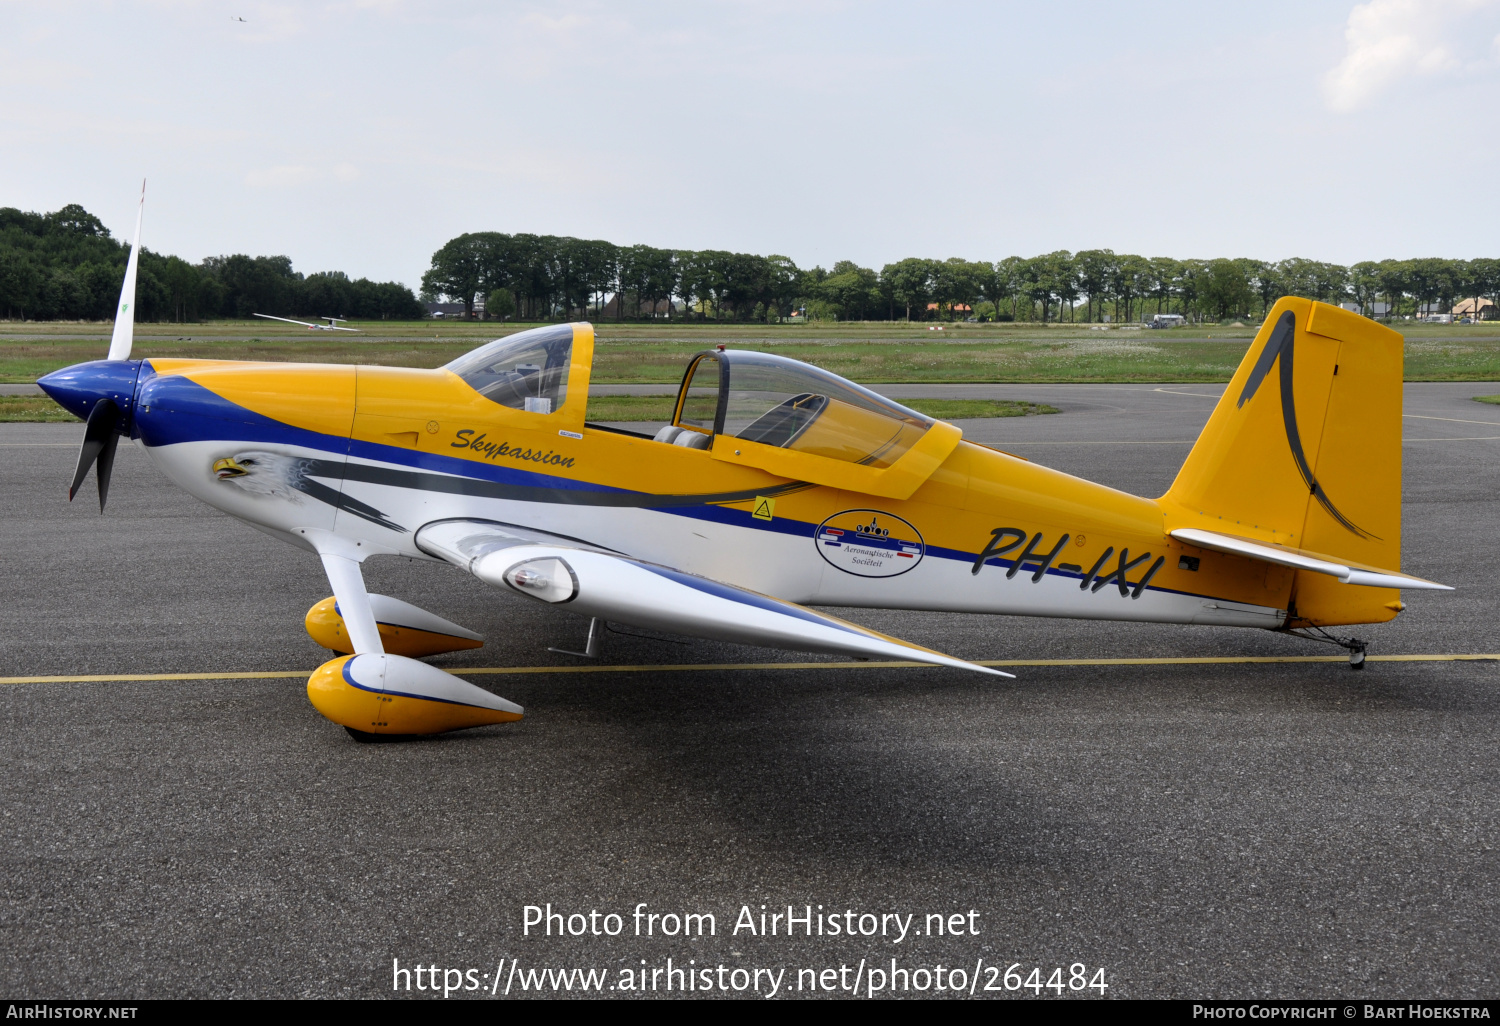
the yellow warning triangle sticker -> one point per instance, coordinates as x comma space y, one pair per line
763, 508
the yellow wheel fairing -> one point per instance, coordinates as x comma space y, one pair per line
326, 627
340, 702
386, 703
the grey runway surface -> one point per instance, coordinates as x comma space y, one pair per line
1282, 830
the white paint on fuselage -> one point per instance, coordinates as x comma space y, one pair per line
774, 563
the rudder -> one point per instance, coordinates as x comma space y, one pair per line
1304, 450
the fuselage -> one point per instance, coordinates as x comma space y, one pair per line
371, 454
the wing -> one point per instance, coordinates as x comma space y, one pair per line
594, 581
1370, 577
268, 317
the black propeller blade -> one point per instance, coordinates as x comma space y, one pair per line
99, 441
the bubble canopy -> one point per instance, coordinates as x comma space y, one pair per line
776, 401
525, 371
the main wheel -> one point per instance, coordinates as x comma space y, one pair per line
364, 737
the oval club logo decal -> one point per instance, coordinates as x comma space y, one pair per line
869, 543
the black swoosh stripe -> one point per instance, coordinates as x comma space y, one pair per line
421, 480
1282, 346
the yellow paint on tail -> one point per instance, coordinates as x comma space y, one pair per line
1304, 450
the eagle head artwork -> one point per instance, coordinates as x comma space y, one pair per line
263, 473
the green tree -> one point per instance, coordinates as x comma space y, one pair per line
500, 305
1160, 281
1130, 280
265, 284
1008, 281
1189, 278
1094, 269
1393, 277
959, 282
647, 274
458, 271
1364, 285
785, 283
1269, 285
1226, 289
909, 283
850, 289
1484, 278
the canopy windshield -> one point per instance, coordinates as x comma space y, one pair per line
525, 371
784, 403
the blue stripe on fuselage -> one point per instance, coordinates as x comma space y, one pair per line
181, 410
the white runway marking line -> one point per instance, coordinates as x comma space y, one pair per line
1453, 420
488, 671
1196, 395
1115, 441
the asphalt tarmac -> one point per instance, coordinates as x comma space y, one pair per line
1229, 830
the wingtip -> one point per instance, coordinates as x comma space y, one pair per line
979, 668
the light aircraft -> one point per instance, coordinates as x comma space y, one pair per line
776, 487
332, 325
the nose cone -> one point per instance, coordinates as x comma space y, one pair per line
79, 387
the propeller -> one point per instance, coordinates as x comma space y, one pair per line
124, 333
98, 450
70, 386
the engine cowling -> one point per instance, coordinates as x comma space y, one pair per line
405, 629
392, 695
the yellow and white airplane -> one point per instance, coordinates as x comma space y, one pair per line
777, 487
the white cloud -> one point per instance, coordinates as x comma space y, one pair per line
1391, 41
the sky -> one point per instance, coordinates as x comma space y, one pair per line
361, 135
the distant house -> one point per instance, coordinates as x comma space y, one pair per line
958, 308
1369, 310
1479, 309
647, 308
449, 311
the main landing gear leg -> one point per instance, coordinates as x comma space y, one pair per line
591, 648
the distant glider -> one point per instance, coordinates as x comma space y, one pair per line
332, 325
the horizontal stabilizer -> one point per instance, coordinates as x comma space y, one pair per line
613, 587
1301, 560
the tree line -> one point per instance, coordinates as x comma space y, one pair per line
65, 266
542, 277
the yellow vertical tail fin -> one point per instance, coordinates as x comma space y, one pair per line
1304, 450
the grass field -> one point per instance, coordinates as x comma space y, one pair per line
872, 353
1495, 399
32, 409
658, 408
